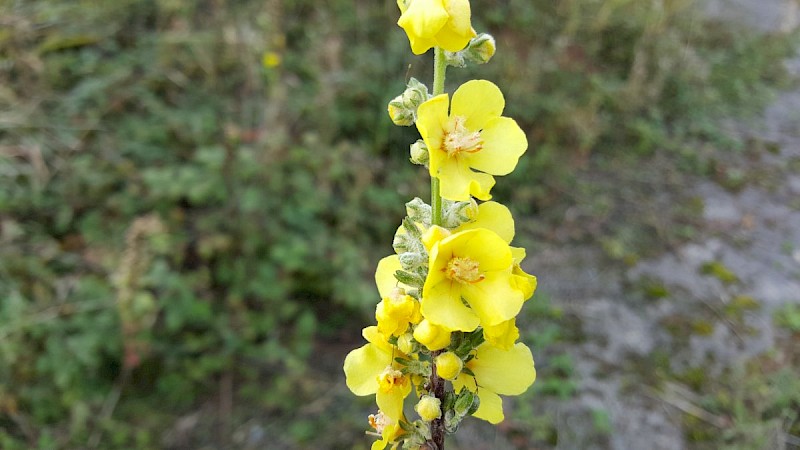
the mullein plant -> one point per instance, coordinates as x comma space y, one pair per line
450, 294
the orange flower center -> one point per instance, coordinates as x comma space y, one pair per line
464, 270
391, 378
459, 139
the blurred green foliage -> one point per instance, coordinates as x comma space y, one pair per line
276, 187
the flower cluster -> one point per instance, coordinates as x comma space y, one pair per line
446, 322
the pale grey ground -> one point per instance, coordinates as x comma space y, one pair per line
755, 233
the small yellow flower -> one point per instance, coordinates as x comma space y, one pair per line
371, 370
388, 429
476, 266
497, 371
429, 408
436, 23
396, 312
448, 365
472, 136
433, 337
271, 60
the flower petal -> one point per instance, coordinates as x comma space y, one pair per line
502, 335
460, 13
441, 305
384, 275
424, 18
478, 101
458, 181
481, 245
495, 217
362, 367
391, 403
504, 372
491, 407
503, 143
431, 120
495, 299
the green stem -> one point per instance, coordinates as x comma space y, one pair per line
437, 385
439, 70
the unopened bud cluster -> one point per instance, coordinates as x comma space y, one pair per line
403, 108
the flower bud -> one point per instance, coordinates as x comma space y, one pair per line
419, 153
429, 408
455, 59
449, 365
480, 49
405, 343
432, 336
415, 94
457, 213
419, 211
403, 108
399, 114
412, 260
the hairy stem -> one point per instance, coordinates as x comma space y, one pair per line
437, 384
439, 69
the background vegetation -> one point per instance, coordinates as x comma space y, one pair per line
193, 195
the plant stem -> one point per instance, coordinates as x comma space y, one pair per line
437, 385
439, 70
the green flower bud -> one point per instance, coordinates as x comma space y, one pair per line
413, 260
400, 115
480, 49
419, 153
403, 108
457, 213
455, 59
419, 211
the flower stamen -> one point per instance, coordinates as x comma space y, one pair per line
464, 270
459, 139
391, 378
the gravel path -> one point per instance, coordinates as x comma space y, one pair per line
748, 248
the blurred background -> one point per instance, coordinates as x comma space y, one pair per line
194, 195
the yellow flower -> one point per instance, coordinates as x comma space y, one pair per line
496, 217
473, 135
476, 266
436, 23
497, 371
396, 312
389, 430
271, 60
371, 370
